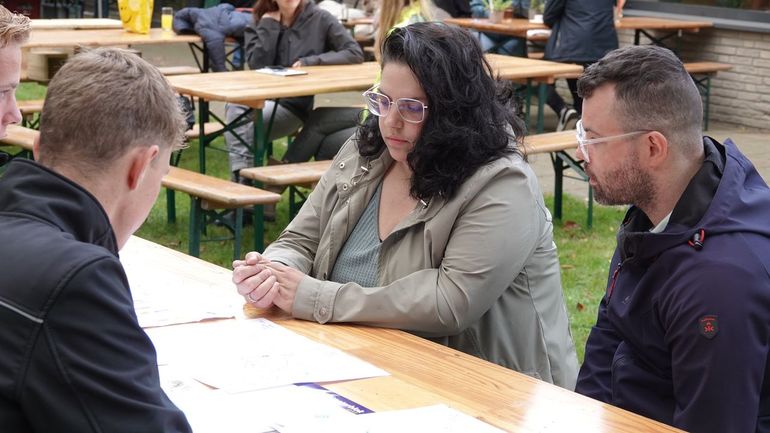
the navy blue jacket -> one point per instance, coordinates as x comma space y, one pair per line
582, 31
72, 355
683, 333
213, 25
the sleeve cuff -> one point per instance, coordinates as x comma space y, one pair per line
315, 299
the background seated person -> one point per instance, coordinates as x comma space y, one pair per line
288, 33
430, 220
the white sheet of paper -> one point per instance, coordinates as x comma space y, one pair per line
215, 411
284, 72
247, 355
434, 419
165, 297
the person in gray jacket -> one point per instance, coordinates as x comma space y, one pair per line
429, 220
289, 33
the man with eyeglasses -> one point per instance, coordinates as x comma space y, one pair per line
682, 334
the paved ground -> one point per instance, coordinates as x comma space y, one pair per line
755, 144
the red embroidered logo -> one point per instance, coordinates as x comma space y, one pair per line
708, 326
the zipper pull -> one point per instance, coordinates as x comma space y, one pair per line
613, 281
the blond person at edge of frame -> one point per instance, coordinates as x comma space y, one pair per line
400, 13
682, 333
429, 220
74, 358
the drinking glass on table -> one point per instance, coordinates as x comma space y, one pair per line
167, 18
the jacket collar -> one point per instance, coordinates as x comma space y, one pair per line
307, 11
31, 190
358, 172
725, 195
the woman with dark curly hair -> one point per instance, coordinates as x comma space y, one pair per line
430, 220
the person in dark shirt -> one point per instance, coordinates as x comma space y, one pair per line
74, 358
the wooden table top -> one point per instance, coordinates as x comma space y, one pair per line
521, 68
75, 24
518, 27
424, 373
358, 21
252, 88
512, 26
104, 38
650, 23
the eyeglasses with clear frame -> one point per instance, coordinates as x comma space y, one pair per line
583, 142
411, 110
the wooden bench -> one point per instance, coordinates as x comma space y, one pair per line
701, 73
207, 194
556, 144
178, 70
21, 137
31, 109
294, 176
208, 127
30, 112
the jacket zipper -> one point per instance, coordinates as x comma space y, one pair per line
613, 281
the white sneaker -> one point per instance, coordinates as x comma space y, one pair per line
566, 116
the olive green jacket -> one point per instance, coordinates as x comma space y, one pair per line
478, 273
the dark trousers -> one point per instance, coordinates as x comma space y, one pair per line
323, 134
556, 102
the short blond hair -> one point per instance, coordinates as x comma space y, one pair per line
102, 103
14, 28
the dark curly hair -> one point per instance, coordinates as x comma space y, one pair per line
472, 115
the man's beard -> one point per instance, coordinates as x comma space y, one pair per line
626, 184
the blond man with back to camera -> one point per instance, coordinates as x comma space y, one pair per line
74, 356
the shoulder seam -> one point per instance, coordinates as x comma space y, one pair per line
20, 312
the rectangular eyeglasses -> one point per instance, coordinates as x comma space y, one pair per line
411, 110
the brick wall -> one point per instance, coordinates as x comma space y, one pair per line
740, 96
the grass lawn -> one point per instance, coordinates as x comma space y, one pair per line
584, 253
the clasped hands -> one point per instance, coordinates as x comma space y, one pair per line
264, 283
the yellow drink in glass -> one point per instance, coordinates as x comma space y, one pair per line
167, 19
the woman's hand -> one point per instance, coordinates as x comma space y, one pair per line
288, 280
254, 280
297, 64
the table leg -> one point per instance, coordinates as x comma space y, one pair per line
237, 230
528, 102
259, 228
196, 219
203, 141
260, 138
543, 91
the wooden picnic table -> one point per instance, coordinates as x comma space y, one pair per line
252, 88
518, 27
421, 372
104, 38
75, 24
72, 38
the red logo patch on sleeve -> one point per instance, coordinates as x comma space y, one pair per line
709, 326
